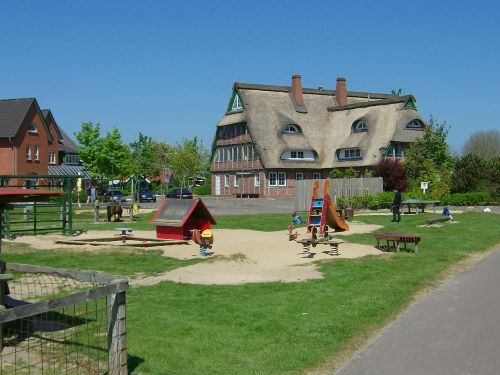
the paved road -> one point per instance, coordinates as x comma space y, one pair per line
454, 330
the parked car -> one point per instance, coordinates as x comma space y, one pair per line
145, 195
176, 193
115, 196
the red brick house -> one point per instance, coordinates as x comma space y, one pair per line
272, 136
30, 139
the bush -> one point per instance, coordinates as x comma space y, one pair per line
468, 199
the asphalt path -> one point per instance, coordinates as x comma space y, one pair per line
454, 330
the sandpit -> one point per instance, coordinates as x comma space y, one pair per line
239, 256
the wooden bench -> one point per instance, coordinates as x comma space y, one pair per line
397, 238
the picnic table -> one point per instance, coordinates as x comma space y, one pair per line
419, 204
308, 242
125, 233
394, 239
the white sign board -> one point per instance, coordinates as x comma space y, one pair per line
424, 186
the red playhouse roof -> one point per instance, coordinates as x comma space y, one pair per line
176, 212
10, 194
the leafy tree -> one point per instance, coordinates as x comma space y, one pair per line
468, 173
114, 159
393, 174
485, 143
143, 154
428, 159
103, 156
89, 139
188, 159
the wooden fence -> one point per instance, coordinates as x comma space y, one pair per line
340, 187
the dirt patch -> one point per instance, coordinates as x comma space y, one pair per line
239, 256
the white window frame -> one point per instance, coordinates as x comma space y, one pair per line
350, 154
236, 103
316, 175
281, 178
32, 128
52, 157
237, 180
360, 126
414, 125
291, 129
273, 176
226, 181
36, 152
297, 174
28, 152
256, 180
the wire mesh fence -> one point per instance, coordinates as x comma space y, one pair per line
62, 322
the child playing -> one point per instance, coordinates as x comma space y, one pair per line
296, 219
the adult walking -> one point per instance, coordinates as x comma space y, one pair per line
396, 206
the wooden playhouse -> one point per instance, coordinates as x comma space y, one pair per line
177, 217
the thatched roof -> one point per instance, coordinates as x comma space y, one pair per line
326, 126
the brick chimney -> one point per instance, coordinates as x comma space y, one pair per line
341, 91
297, 90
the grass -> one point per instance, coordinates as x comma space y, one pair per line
276, 328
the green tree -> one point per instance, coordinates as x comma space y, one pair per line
468, 174
188, 159
89, 138
103, 156
143, 154
428, 159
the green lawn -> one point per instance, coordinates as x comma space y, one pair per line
276, 328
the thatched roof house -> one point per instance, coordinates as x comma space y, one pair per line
277, 134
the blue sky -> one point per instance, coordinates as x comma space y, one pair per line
166, 68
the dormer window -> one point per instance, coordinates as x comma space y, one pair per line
236, 103
349, 154
32, 128
292, 129
298, 155
359, 126
415, 125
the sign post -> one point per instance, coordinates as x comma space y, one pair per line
424, 186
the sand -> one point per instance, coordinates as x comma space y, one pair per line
238, 256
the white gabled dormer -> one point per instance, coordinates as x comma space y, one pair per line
298, 155
235, 104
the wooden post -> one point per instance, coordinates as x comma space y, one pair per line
117, 343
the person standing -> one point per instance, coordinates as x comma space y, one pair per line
396, 206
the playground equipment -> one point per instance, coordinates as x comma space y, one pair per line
323, 215
203, 238
176, 218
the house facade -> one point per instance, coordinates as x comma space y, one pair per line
31, 142
272, 136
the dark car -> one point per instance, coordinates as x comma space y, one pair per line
115, 196
176, 193
145, 195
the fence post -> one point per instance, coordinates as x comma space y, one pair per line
117, 343
34, 217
